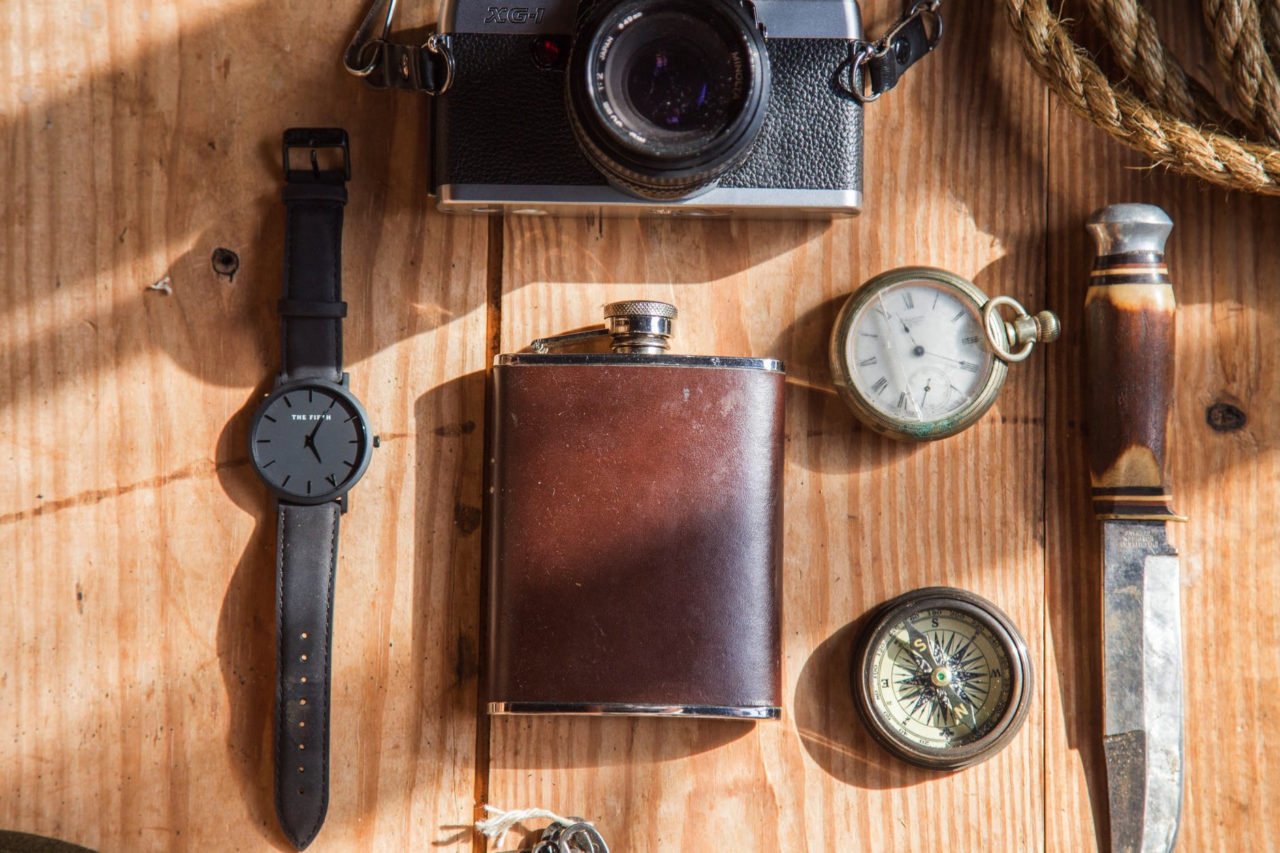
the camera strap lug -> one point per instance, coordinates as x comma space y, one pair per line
385, 64
875, 67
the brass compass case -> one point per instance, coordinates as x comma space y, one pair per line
984, 667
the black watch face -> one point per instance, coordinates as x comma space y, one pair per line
310, 441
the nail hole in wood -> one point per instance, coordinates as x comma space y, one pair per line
225, 263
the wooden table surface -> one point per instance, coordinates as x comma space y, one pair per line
136, 545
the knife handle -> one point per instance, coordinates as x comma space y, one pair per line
1129, 345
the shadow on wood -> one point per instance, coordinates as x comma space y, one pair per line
828, 723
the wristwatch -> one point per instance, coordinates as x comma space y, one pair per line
310, 441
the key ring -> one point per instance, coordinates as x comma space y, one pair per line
363, 41
577, 837
438, 44
412, 67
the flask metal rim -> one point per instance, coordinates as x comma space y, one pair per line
628, 709
769, 365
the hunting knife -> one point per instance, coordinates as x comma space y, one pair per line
1129, 317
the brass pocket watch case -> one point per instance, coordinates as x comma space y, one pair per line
919, 353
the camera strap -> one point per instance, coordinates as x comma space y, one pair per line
385, 64
875, 67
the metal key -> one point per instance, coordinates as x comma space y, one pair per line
577, 837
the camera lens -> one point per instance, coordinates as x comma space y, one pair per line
673, 85
665, 96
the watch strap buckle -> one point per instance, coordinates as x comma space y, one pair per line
316, 139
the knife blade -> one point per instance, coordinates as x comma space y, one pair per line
1129, 317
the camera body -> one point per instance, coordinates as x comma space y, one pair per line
649, 107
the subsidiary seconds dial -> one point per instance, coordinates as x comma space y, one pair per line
310, 441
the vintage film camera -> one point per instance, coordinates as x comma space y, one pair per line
675, 107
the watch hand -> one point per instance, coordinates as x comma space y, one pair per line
310, 440
898, 377
903, 322
946, 358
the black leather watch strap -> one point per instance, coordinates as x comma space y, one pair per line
312, 309
306, 567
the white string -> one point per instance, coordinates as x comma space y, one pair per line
501, 822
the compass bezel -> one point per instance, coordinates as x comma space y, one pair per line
1021, 677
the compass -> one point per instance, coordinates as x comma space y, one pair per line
942, 678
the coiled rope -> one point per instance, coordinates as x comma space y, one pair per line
1167, 115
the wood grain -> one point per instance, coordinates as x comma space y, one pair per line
866, 518
135, 553
136, 653
1224, 262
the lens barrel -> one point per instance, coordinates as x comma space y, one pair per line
665, 96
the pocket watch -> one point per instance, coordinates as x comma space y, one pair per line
942, 678
919, 353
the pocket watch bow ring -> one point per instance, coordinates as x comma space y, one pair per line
919, 353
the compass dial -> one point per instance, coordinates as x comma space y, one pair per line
943, 678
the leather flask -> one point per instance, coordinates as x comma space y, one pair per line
635, 527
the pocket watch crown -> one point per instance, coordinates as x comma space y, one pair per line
1048, 327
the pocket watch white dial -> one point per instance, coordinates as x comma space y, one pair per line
942, 678
919, 353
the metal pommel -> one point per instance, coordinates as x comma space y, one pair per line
1122, 229
640, 327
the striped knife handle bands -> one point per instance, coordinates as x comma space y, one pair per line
1130, 335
